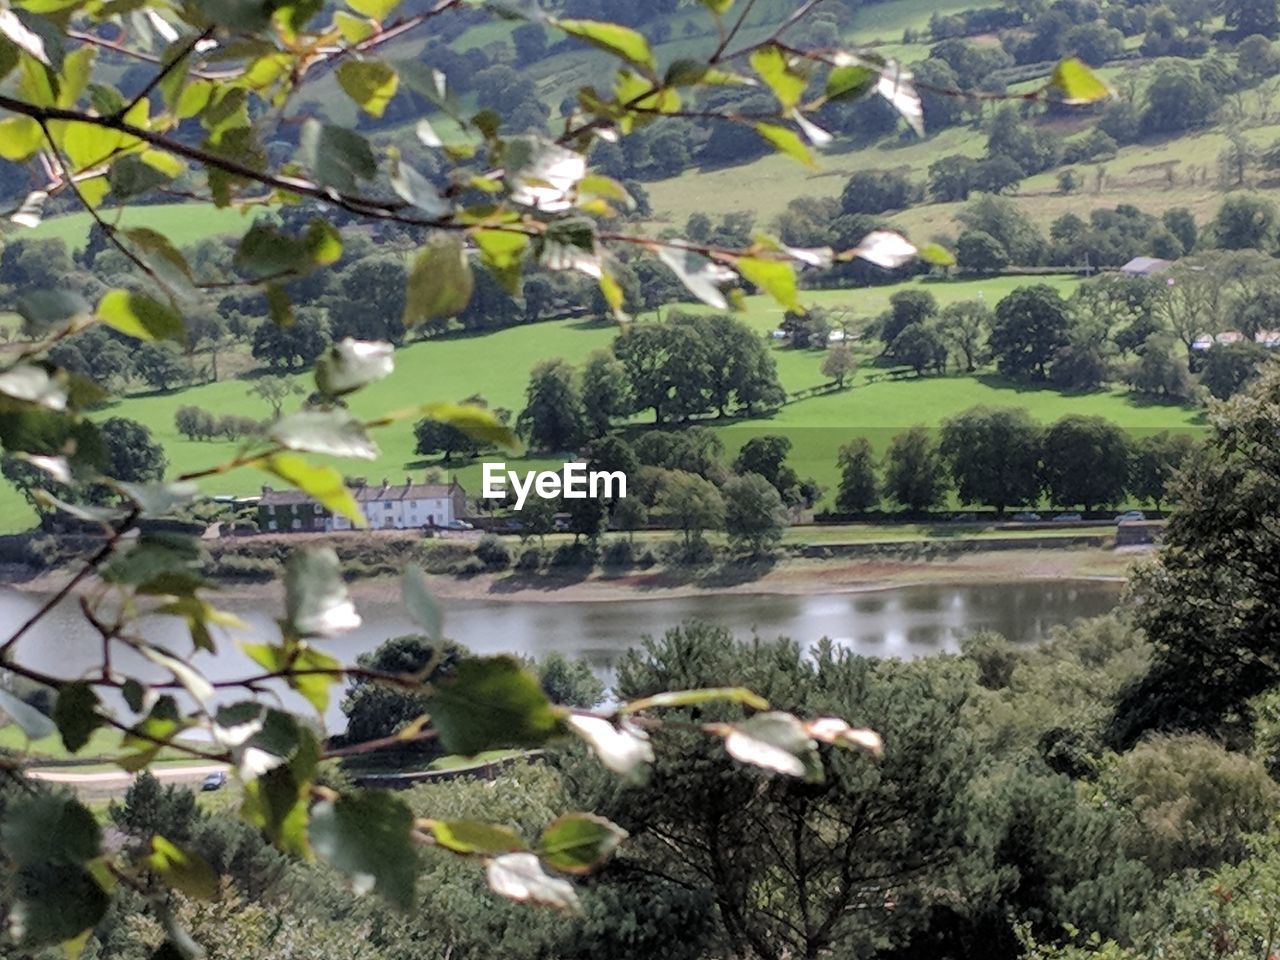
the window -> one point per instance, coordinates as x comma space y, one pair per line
271, 525
271, 510
297, 524
387, 506
319, 509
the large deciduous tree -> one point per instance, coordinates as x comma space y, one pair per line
1085, 461
1030, 325
993, 455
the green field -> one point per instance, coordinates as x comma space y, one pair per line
183, 223
497, 366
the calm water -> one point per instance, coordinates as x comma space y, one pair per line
897, 622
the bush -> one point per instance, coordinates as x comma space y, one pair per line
530, 560
573, 555
618, 554
646, 558
471, 567
696, 553
493, 552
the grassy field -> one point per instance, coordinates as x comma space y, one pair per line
497, 366
183, 223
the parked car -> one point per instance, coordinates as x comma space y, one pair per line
1026, 517
1068, 518
461, 525
214, 781
964, 518
1131, 515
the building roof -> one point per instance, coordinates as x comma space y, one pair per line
367, 493
1145, 266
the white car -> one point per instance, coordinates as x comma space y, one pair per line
461, 525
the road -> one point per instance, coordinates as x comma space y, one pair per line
120, 779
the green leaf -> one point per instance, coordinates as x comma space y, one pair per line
439, 282
31, 212
353, 29
267, 251
579, 842
691, 698
20, 137
76, 715
165, 260
623, 748
33, 723
1075, 83
520, 877
322, 484
49, 829
885, 249
895, 86
130, 177
493, 702
367, 836
31, 384
183, 870
316, 598
613, 38
475, 837
192, 680
787, 85
322, 670
369, 83
351, 364
502, 252
835, 731
412, 187
275, 799
159, 499
542, 174
335, 432
137, 315
775, 741
42, 310
152, 555
786, 140
851, 81
377, 9
337, 157
53, 903
421, 603
475, 421
774, 277
937, 255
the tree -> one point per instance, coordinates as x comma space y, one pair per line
1245, 222
132, 455
374, 710
275, 390
1085, 462
1162, 369
965, 326
291, 347
1252, 16
905, 308
369, 301
921, 347
1256, 57
1181, 222
1030, 325
914, 474
993, 455
754, 517
553, 417
569, 682
1177, 99
433, 436
876, 191
159, 365
691, 504
1208, 604
1004, 220
951, 178
838, 364
530, 41
1154, 462
605, 391
1229, 367
859, 488
766, 457
980, 252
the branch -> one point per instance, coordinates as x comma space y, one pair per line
168, 68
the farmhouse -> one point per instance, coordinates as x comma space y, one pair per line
386, 507
1145, 267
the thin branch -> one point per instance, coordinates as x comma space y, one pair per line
180, 57
727, 39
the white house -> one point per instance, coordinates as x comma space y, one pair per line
406, 506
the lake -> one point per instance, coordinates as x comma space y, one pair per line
894, 622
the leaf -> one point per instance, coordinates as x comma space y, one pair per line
775, 741
56, 467
192, 680
129, 177
31, 384
367, 836
788, 141
337, 157
49, 828
502, 252
31, 212
937, 255
351, 364
315, 684
275, 799
885, 249
701, 275
691, 698
477, 422
265, 251
579, 842
33, 723
421, 603
316, 599
76, 715
412, 187
42, 310
520, 877
322, 484
853, 80
493, 702
183, 870
139, 316
334, 432
164, 259
159, 499
475, 837
439, 282
376, 9
624, 749
53, 903
613, 38
1076, 83
571, 245
895, 86
542, 174
787, 85
814, 133
774, 277
369, 83
23, 37
838, 732
20, 137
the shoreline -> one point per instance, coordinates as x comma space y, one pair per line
786, 577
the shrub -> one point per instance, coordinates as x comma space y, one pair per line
493, 552
618, 554
530, 560
471, 567
575, 555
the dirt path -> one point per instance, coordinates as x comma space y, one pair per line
120, 779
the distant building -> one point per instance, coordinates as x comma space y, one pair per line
1265, 338
405, 506
1145, 267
